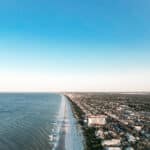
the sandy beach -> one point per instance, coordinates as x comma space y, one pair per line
71, 137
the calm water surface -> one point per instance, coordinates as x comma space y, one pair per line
27, 121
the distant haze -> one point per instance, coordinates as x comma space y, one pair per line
46, 83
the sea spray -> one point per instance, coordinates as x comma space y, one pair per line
59, 123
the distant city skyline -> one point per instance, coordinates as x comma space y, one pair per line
74, 45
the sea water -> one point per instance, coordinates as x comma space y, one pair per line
34, 121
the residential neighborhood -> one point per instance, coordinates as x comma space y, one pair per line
121, 121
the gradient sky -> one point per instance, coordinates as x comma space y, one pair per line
80, 45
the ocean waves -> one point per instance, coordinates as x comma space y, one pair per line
28, 121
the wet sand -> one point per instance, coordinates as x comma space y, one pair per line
71, 137
61, 143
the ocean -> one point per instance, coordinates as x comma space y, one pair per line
38, 121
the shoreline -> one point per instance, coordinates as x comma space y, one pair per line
70, 137
90, 140
61, 142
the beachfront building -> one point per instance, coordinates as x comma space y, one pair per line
96, 120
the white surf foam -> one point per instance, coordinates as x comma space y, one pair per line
58, 125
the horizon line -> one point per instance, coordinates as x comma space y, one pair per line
74, 91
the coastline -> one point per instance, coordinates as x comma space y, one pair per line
61, 142
90, 141
70, 135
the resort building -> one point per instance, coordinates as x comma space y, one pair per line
111, 142
96, 120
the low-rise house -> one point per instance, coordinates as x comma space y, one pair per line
138, 128
112, 148
130, 137
129, 148
99, 134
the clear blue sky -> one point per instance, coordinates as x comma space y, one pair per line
75, 41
